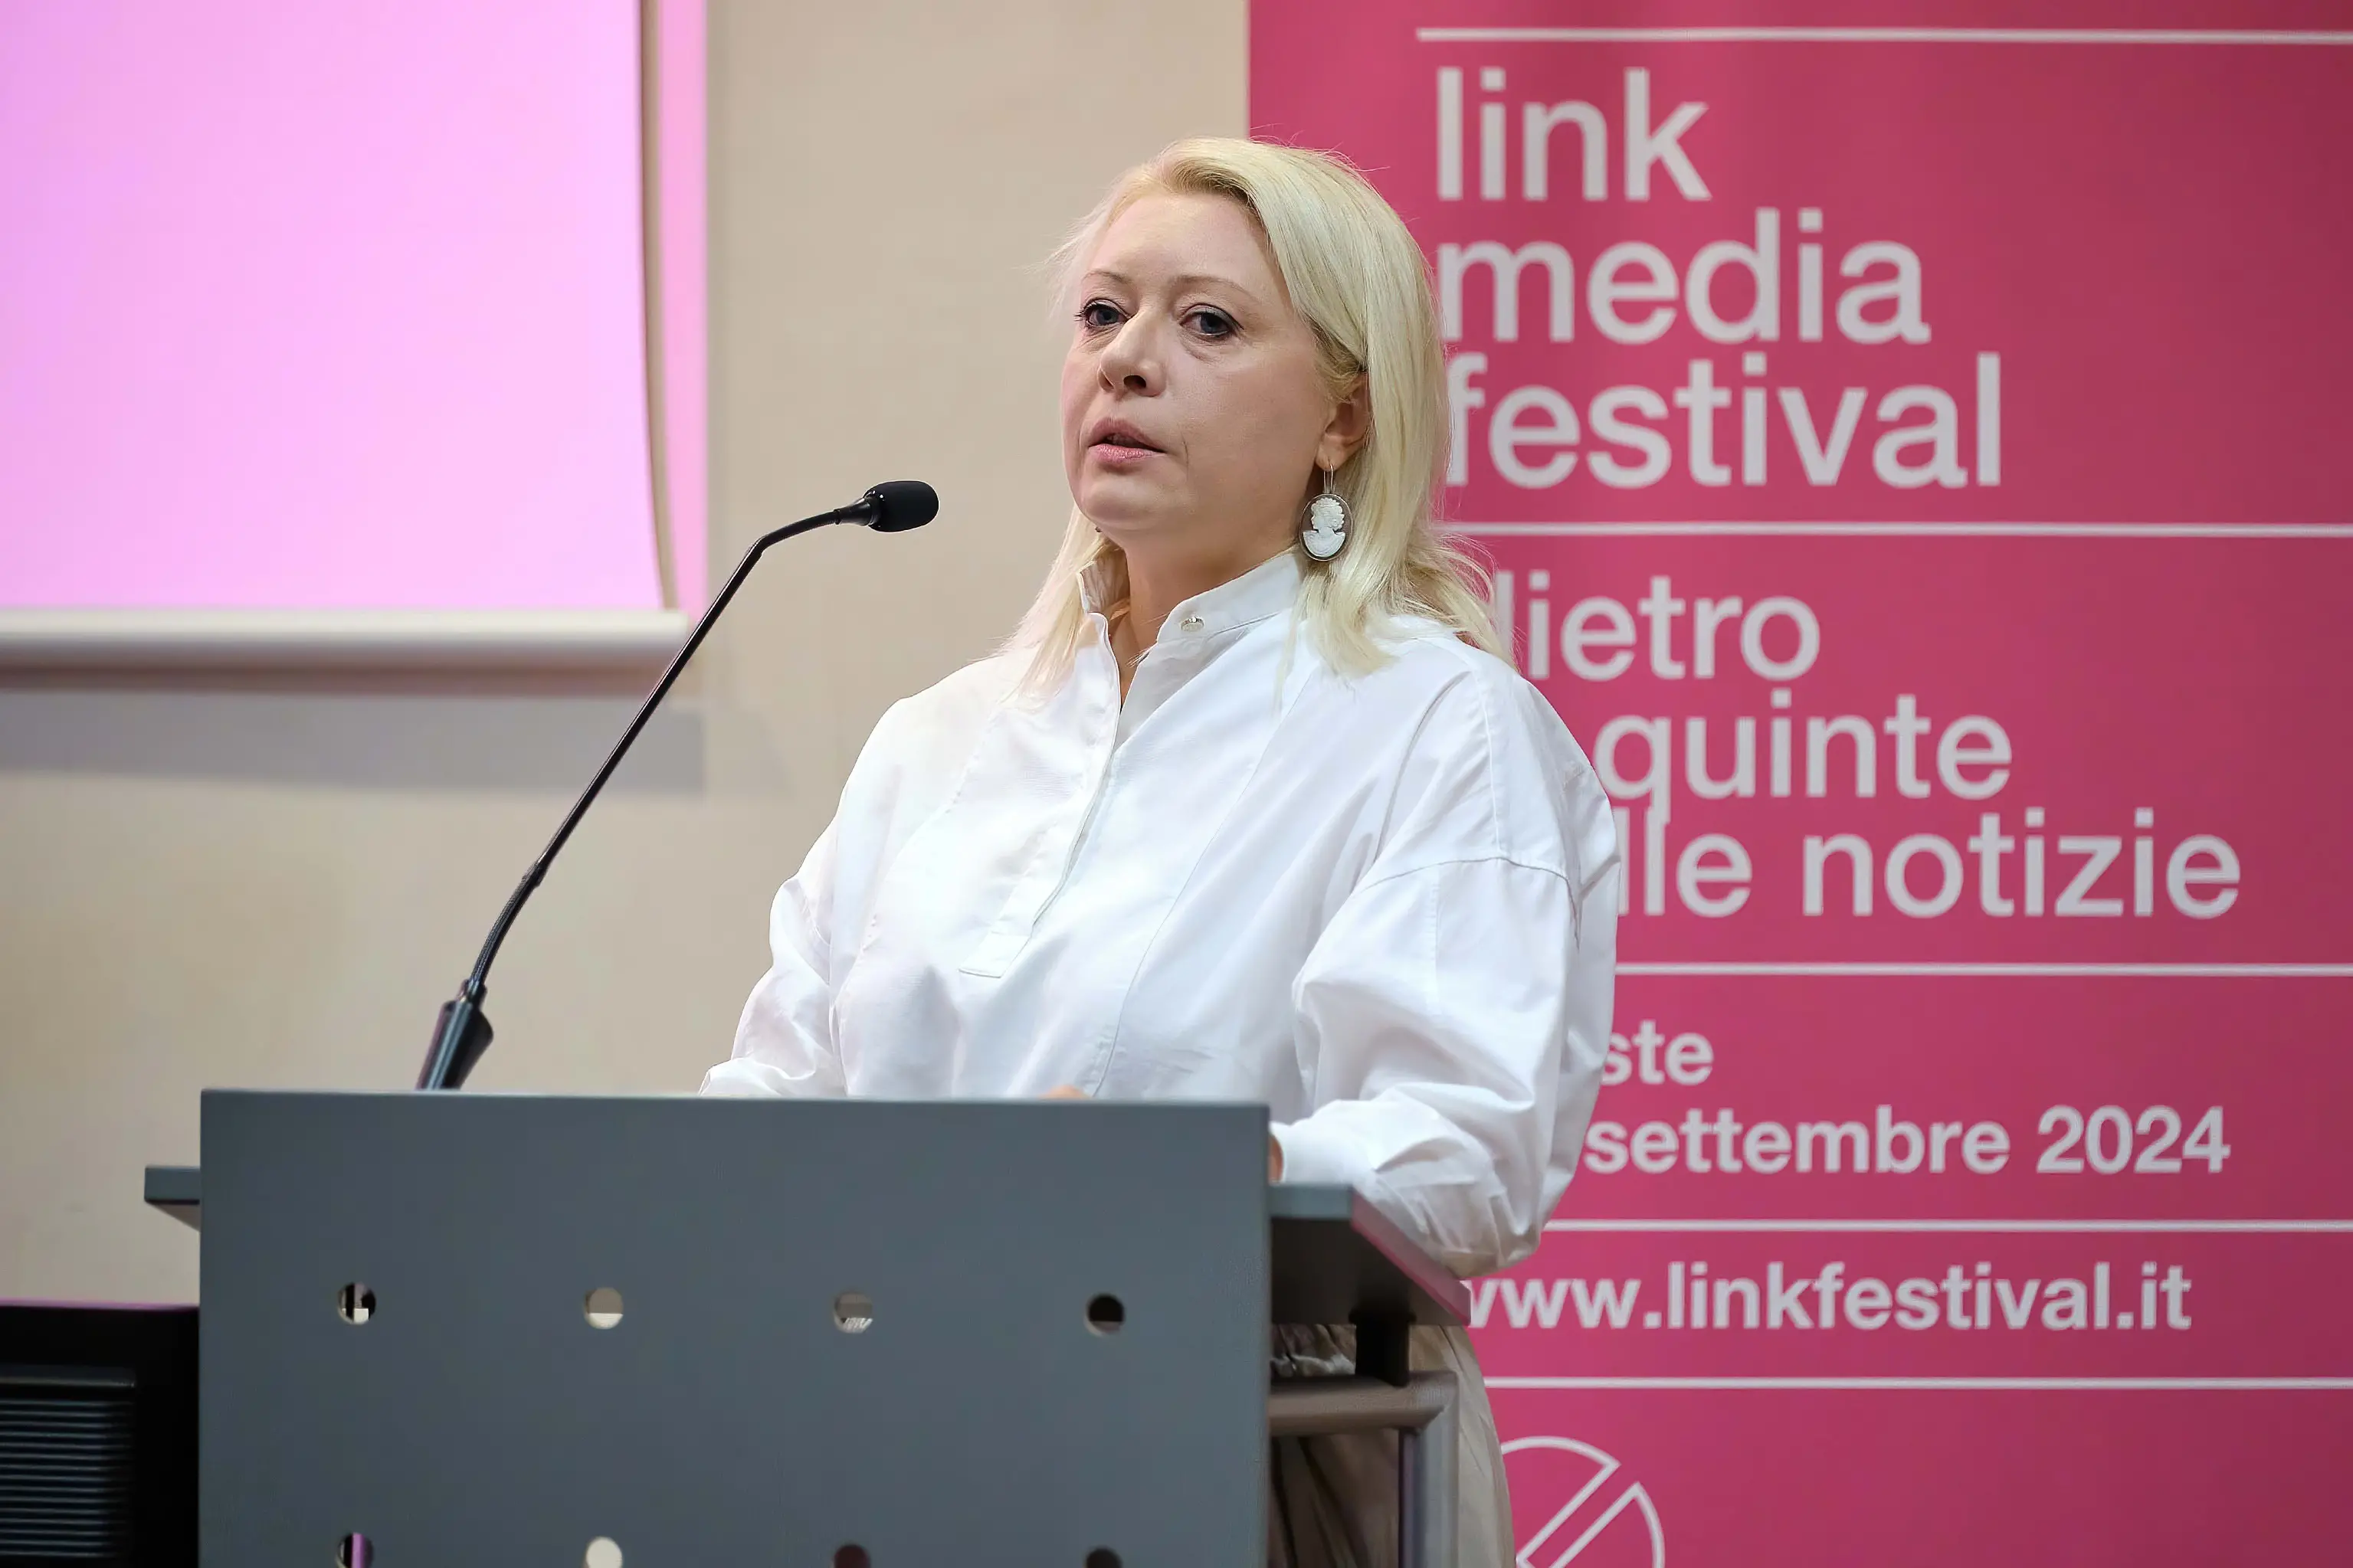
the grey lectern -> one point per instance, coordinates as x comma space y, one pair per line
478, 1328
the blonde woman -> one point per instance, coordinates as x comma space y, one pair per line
1249, 808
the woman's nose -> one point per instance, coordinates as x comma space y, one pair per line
1131, 361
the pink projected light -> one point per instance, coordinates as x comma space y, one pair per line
342, 308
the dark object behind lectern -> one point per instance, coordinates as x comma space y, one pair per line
98, 1436
1066, 1351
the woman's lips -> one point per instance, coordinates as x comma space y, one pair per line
1115, 454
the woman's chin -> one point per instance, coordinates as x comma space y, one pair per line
1122, 510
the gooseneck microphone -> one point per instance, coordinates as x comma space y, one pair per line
463, 1033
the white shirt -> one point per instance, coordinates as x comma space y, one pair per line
1384, 905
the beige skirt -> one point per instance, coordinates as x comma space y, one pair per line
1335, 1499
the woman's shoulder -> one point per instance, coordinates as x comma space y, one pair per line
1431, 665
1487, 747
914, 757
938, 725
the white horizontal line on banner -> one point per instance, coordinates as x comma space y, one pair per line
1910, 529
1974, 1226
1877, 36
2156, 1384
2171, 971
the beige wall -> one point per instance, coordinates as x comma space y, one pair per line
276, 883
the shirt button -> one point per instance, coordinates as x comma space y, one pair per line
1190, 624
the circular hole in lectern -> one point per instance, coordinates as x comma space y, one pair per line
603, 1553
603, 1309
853, 1313
356, 1304
1105, 1315
353, 1551
852, 1556
1102, 1557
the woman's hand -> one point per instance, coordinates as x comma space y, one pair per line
1273, 1149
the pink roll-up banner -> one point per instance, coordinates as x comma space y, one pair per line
1912, 461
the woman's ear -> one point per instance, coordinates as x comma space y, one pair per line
1351, 423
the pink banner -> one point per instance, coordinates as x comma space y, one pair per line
1907, 458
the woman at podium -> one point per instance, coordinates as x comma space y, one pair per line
1247, 807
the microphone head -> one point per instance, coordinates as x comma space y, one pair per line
901, 504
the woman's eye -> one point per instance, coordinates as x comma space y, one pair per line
1099, 315
1212, 323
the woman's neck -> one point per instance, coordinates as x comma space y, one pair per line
1157, 584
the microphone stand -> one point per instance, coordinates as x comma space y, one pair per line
463, 1032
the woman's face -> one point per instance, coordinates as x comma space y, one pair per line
1193, 412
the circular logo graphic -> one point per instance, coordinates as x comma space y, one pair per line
1592, 1516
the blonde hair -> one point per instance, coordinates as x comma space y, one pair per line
1358, 278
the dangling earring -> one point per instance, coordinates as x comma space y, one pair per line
1327, 531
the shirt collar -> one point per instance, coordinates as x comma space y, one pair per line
1267, 589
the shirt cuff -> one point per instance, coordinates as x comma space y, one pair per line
1313, 1155
740, 1078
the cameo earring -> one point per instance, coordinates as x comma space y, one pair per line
1326, 530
